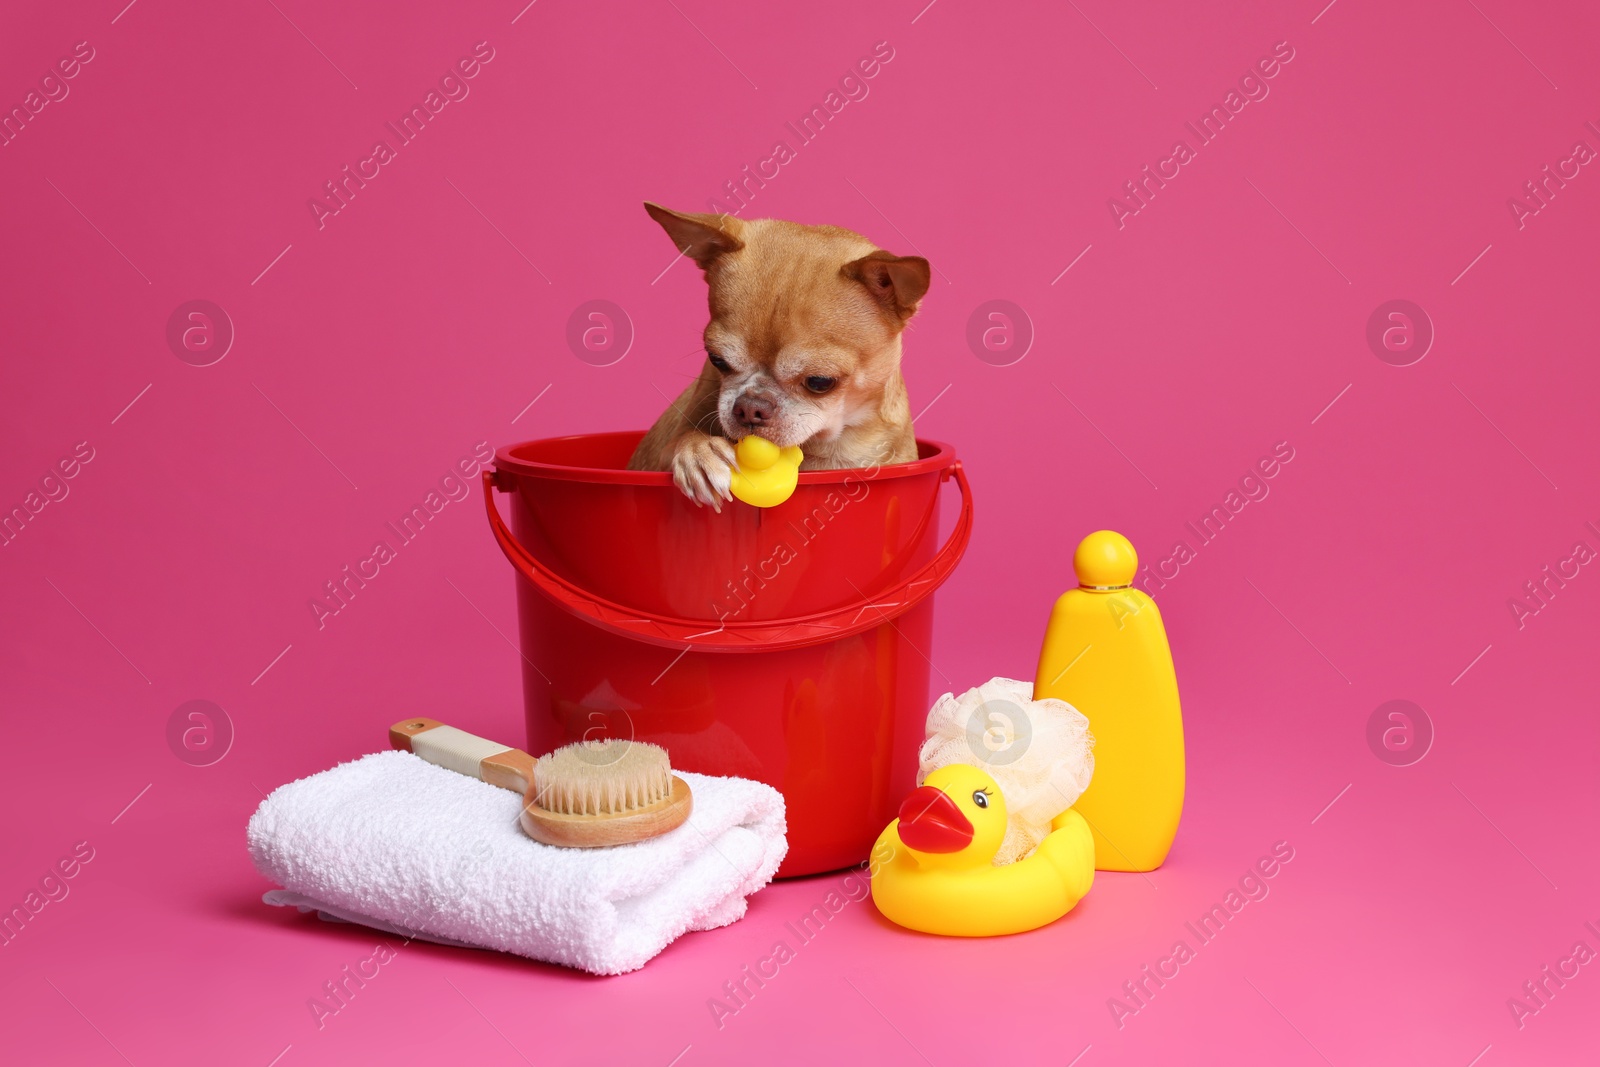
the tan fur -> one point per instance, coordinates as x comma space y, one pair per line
789, 302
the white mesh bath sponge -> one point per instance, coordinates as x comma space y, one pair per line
1039, 752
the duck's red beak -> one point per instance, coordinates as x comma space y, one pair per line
931, 822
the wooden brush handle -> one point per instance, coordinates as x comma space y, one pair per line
468, 754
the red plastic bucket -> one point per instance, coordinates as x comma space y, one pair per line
788, 645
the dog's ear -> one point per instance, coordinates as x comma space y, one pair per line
895, 282
700, 237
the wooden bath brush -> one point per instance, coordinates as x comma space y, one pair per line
585, 795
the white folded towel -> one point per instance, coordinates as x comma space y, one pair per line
397, 843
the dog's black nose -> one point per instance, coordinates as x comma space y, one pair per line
753, 410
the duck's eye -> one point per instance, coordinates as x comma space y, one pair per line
980, 798
819, 384
718, 362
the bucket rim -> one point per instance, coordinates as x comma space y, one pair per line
933, 456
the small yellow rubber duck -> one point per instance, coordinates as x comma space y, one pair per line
766, 474
933, 866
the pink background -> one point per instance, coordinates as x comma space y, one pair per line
1223, 318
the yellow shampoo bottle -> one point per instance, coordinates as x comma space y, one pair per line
1106, 653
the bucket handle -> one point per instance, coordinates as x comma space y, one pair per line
769, 636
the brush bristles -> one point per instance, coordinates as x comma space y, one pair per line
602, 778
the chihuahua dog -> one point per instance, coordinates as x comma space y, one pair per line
803, 348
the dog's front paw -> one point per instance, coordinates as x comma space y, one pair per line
703, 468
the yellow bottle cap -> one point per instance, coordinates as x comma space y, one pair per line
756, 453
1105, 560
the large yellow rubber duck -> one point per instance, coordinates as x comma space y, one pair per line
766, 474
933, 866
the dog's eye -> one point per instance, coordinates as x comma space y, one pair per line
819, 384
718, 362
